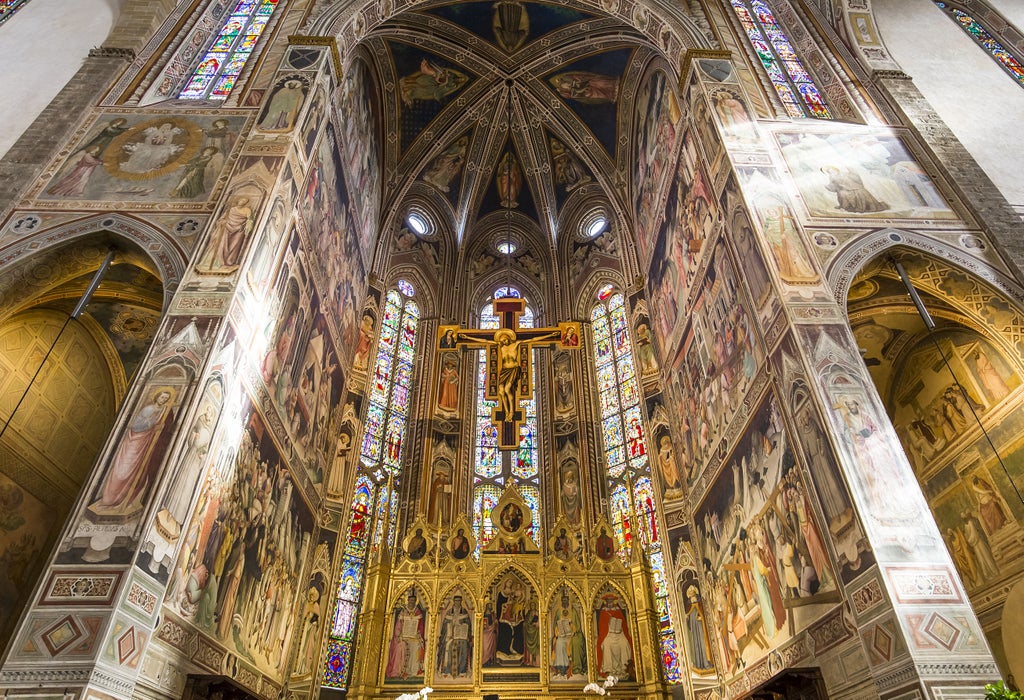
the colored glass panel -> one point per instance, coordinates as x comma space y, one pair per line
632, 501
374, 510
1010, 63
794, 85
228, 52
338, 657
484, 502
670, 659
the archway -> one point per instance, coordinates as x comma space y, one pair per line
954, 395
61, 382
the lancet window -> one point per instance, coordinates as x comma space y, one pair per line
634, 520
991, 44
493, 468
794, 85
218, 69
374, 504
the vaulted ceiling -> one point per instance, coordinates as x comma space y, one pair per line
454, 75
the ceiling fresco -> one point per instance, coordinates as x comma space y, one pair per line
453, 76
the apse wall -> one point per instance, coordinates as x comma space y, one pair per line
962, 82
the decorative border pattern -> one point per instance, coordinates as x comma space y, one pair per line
81, 587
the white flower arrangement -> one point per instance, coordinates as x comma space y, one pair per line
421, 694
609, 683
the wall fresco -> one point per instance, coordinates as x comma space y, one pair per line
760, 543
146, 157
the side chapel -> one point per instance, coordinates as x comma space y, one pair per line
511, 348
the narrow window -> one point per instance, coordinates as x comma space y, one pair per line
792, 82
1010, 63
9, 7
220, 66
634, 518
374, 504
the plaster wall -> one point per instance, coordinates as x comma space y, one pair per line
962, 83
46, 42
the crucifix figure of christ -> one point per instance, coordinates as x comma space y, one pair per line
509, 379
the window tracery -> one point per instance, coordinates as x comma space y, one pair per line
218, 69
634, 517
795, 87
374, 506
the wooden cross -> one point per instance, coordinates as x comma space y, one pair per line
509, 376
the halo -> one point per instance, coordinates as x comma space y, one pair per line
504, 333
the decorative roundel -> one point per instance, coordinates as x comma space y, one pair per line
593, 225
506, 242
606, 291
419, 223
405, 288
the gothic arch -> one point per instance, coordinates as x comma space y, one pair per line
467, 589
574, 588
953, 395
486, 284
422, 594
587, 297
425, 290
155, 250
854, 256
521, 571
441, 217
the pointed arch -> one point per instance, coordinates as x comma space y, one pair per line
147, 246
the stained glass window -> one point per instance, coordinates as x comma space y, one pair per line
1010, 63
795, 86
492, 469
633, 513
9, 7
215, 76
371, 518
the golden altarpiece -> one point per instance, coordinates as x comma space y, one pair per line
514, 599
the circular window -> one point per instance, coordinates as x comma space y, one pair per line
605, 292
507, 248
595, 226
406, 288
418, 223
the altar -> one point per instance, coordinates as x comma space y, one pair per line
526, 618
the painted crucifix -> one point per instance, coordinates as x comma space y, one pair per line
509, 376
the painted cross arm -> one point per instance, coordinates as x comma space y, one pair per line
565, 336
